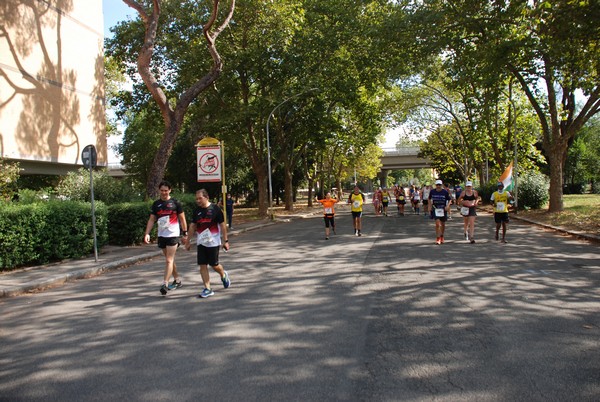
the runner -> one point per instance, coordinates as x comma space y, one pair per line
168, 213
468, 201
439, 205
425, 198
385, 200
357, 199
400, 200
416, 200
329, 213
377, 201
500, 201
208, 223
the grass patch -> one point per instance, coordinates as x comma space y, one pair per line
580, 213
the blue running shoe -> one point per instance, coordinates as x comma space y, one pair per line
175, 285
206, 293
226, 281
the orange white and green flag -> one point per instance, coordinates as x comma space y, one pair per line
506, 177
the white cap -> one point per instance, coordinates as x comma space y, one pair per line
438, 182
469, 184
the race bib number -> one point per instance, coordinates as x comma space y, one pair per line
401, 198
500, 206
464, 211
439, 212
329, 210
356, 204
163, 222
417, 198
205, 237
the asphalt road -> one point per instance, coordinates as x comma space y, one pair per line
389, 316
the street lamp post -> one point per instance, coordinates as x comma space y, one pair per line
269, 147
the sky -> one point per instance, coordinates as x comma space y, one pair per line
115, 11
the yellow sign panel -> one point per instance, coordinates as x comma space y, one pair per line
207, 142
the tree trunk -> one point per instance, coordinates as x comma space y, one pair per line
288, 187
263, 193
159, 165
555, 160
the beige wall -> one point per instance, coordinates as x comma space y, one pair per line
51, 83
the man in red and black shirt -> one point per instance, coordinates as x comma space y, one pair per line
208, 222
169, 215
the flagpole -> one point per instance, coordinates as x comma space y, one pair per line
515, 177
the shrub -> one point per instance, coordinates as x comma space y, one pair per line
486, 190
533, 190
574, 188
127, 223
188, 201
50, 231
76, 187
9, 174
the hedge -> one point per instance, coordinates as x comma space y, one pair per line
51, 231
44, 232
127, 223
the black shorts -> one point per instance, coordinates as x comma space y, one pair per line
329, 221
208, 255
385, 204
164, 242
500, 217
356, 214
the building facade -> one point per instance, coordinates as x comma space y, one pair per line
51, 83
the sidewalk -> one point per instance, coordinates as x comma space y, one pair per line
112, 258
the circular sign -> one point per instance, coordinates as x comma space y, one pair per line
209, 163
89, 157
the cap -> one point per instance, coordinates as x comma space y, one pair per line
500, 184
469, 184
428, 184
438, 182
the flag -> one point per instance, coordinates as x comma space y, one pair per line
506, 177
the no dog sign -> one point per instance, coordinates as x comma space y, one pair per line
209, 163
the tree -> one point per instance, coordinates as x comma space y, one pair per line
471, 127
173, 107
9, 174
583, 164
114, 80
279, 51
550, 48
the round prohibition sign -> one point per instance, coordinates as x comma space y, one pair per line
209, 163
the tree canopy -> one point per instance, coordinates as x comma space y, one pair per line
478, 80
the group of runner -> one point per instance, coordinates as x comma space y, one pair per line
210, 231
436, 201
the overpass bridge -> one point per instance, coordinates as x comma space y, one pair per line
403, 158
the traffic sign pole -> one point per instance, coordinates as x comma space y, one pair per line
89, 159
206, 161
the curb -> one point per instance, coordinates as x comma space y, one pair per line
59, 279
583, 235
